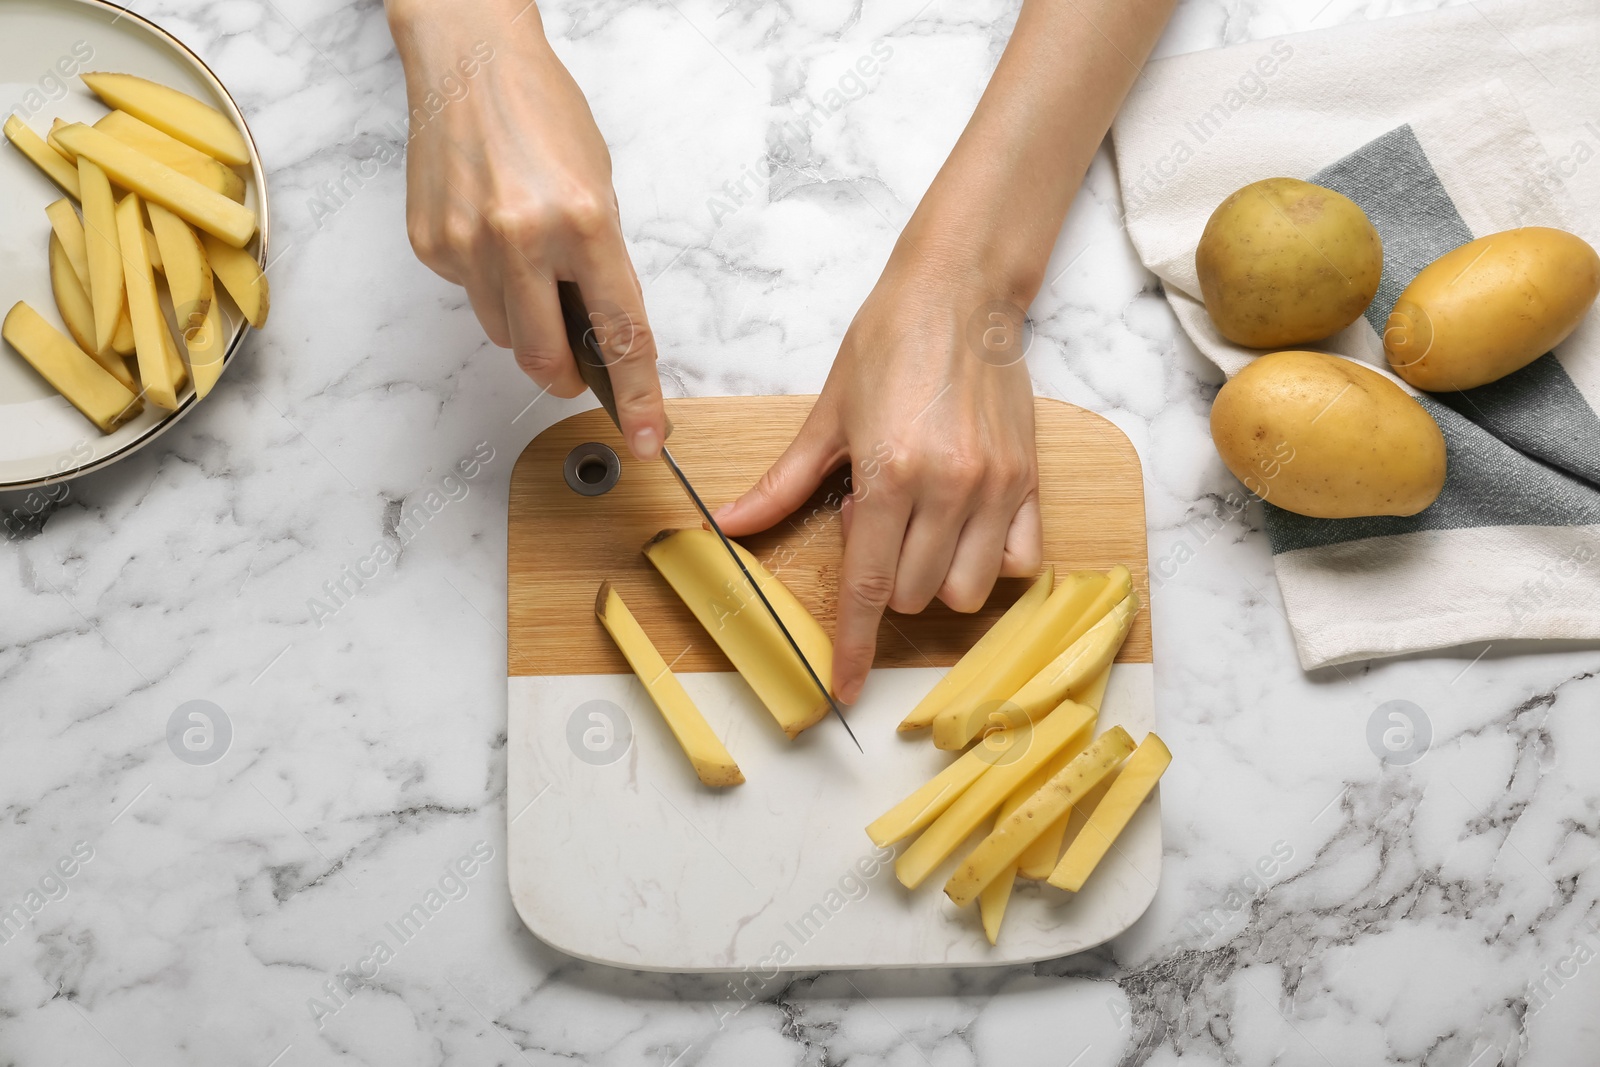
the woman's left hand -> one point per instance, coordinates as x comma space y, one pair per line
930, 401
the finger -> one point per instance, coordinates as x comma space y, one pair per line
538, 334
486, 292
866, 581
976, 564
1024, 551
816, 450
616, 312
929, 550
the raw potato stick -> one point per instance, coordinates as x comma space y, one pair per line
188, 274
241, 276
167, 149
999, 636
697, 567
206, 346
182, 195
1039, 858
53, 163
998, 853
1080, 663
91, 390
1110, 817
992, 903
934, 796
177, 114
104, 251
712, 764
1077, 603
149, 323
78, 313
986, 795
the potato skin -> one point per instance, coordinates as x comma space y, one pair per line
1327, 437
1491, 307
1284, 262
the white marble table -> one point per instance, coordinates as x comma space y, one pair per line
1318, 905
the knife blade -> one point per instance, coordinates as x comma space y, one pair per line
592, 368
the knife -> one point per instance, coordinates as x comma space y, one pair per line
592, 368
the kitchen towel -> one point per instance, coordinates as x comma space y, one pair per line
1442, 127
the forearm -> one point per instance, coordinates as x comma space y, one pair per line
999, 200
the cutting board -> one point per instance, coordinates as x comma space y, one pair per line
619, 855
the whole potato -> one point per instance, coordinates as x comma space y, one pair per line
1326, 437
1284, 262
1490, 307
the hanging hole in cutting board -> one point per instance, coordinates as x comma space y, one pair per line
591, 469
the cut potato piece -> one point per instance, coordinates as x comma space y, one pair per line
53, 163
983, 797
188, 274
710, 759
931, 799
968, 667
699, 570
103, 250
1111, 815
71, 300
1084, 599
152, 341
78, 313
1039, 858
76, 376
50, 139
69, 231
242, 277
207, 345
164, 148
180, 115
997, 854
176, 368
182, 195
122, 341
1080, 663
992, 905
64, 223
1037, 645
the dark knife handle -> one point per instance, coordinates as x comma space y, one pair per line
580, 335
592, 365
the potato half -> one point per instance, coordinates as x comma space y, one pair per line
1327, 437
1283, 262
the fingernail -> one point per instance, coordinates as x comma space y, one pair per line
847, 693
723, 512
646, 443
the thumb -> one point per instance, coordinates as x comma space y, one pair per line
817, 449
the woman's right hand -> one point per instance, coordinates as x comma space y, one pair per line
508, 191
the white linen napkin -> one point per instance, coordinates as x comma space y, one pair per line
1443, 127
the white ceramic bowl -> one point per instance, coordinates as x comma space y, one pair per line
44, 45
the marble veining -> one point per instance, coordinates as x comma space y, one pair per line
1321, 902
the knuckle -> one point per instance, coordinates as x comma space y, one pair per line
898, 470
872, 590
963, 469
422, 240
522, 224
908, 601
626, 337
460, 235
586, 215
540, 364
963, 596
1026, 560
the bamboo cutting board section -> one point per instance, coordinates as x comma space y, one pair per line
562, 545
